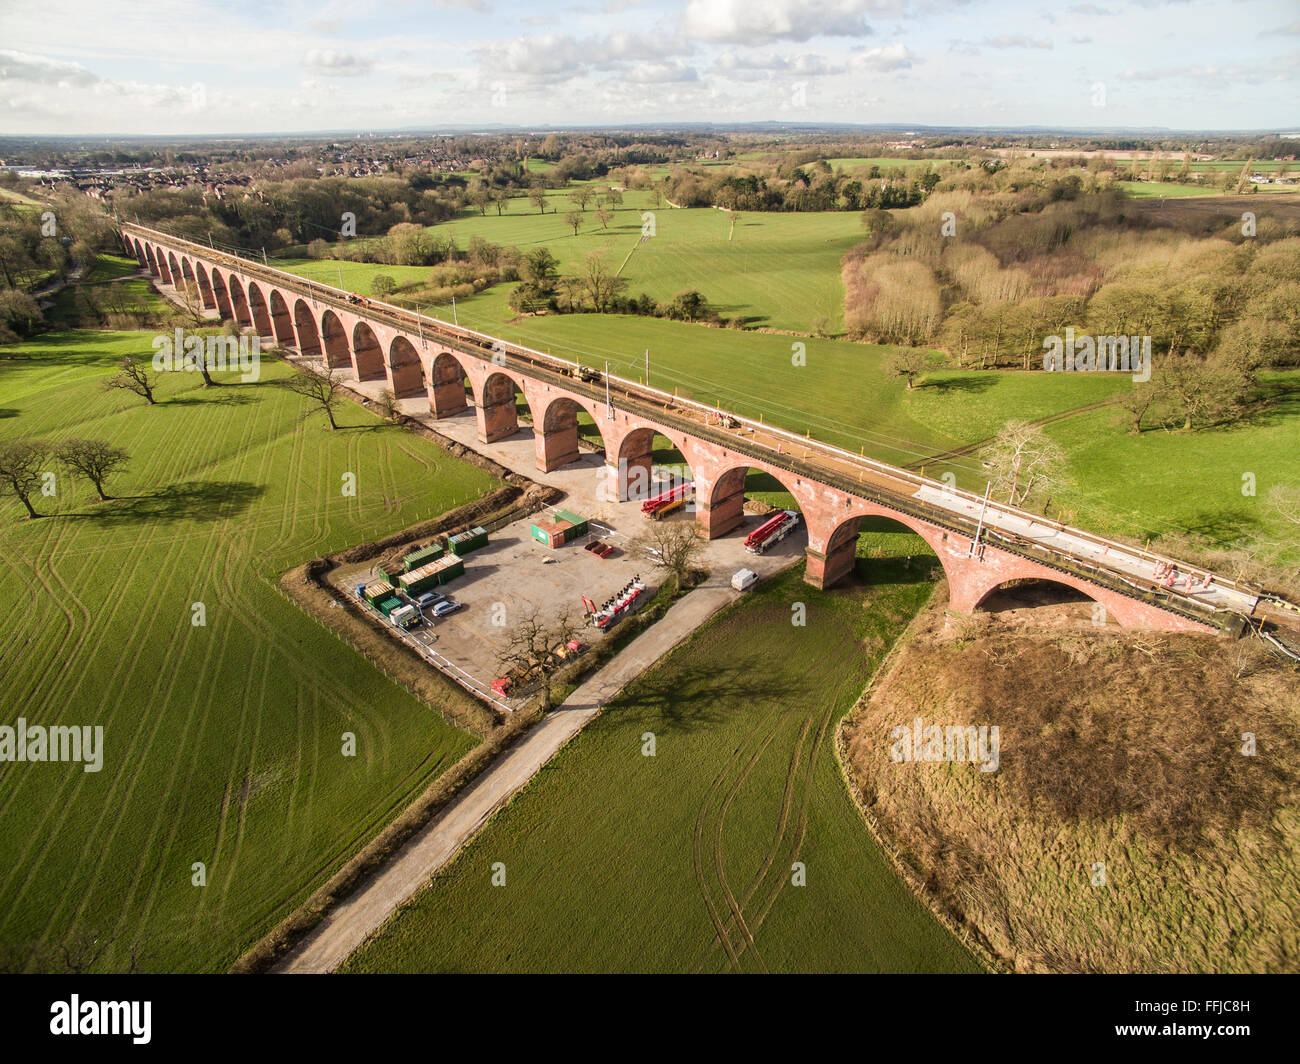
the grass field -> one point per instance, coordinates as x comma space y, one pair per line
617, 861
1173, 190
222, 742
777, 270
1157, 482
920, 165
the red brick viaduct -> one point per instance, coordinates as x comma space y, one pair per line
428, 358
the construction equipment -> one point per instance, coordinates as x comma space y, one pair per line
772, 531
619, 603
666, 502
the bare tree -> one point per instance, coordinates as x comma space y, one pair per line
600, 280
535, 648
910, 362
191, 303
22, 468
386, 404
321, 389
574, 221
1136, 402
134, 377
603, 215
96, 460
1284, 502
674, 546
1022, 460
581, 196
537, 197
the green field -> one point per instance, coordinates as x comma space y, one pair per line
222, 743
844, 163
778, 270
1141, 486
619, 862
1172, 190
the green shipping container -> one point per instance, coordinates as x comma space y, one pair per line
464, 542
579, 523
451, 568
389, 604
377, 591
418, 558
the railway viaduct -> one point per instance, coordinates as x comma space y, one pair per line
423, 357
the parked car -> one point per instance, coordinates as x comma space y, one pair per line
446, 606
430, 598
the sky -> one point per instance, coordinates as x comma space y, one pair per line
171, 67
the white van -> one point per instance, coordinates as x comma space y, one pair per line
744, 579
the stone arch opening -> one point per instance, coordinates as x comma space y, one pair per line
149, 260
281, 322
881, 547
173, 268
498, 407
367, 355
188, 284
222, 296
565, 422
724, 509
647, 464
239, 301
206, 292
257, 308
404, 366
450, 390
309, 345
334, 339
1034, 593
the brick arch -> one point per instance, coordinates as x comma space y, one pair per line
720, 501
447, 374
631, 460
498, 415
222, 295
831, 559
187, 279
257, 308
281, 320
133, 248
405, 370
367, 354
174, 268
334, 341
160, 259
239, 301
557, 433
309, 344
979, 584
149, 260
206, 292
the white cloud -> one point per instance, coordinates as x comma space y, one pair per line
1016, 40
42, 70
768, 21
332, 63
661, 73
889, 57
